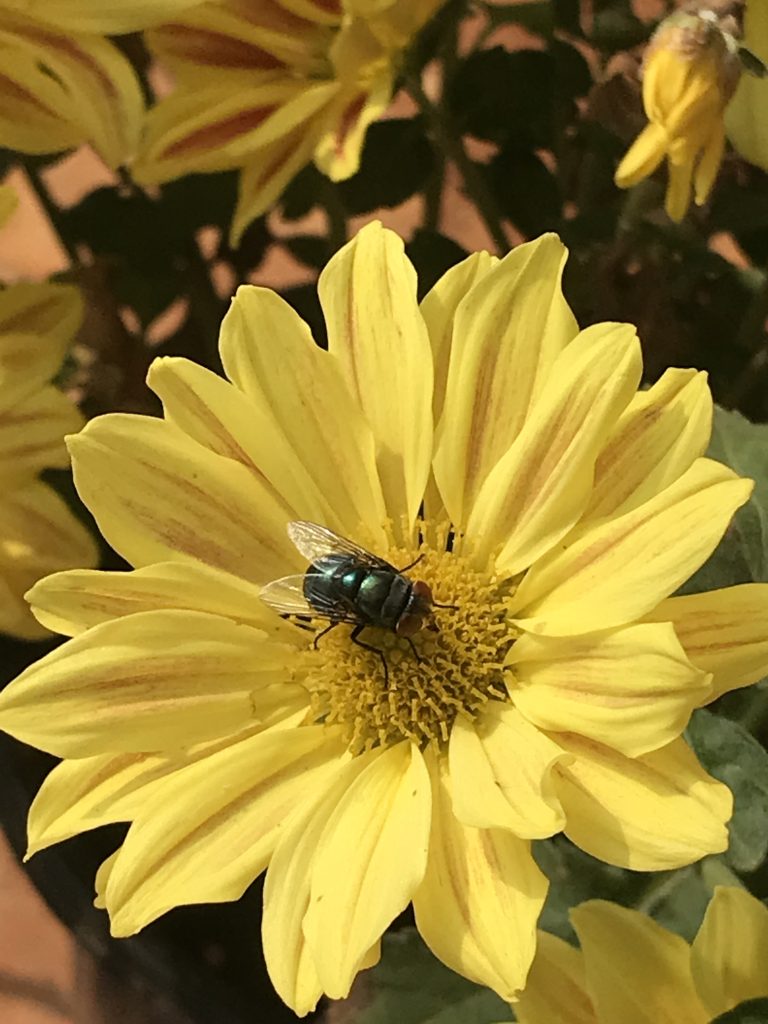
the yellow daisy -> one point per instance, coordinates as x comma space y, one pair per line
632, 970
268, 87
553, 506
690, 73
38, 533
62, 84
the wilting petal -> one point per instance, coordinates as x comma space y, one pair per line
649, 813
438, 308
111, 17
375, 330
158, 495
632, 689
209, 829
539, 488
141, 682
617, 570
501, 774
730, 951
71, 602
369, 860
481, 897
556, 989
32, 433
308, 434
506, 336
287, 891
657, 438
337, 153
724, 632
637, 972
643, 157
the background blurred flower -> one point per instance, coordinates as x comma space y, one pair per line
746, 119
632, 970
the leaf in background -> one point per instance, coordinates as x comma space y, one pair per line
616, 27
432, 254
198, 201
526, 190
312, 250
538, 16
303, 193
397, 159
734, 756
410, 986
568, 16
754, 1011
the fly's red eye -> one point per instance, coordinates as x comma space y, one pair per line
423, 590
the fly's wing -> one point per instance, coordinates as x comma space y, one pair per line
286, 596
315, 541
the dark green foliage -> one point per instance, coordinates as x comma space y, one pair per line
432, 254
754, 1011
396, 162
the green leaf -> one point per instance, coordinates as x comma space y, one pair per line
397, 159
410, 986
312, 250
526, 190
303, 193
754, 1011
617, 28
734, 756
537, 16
432, 254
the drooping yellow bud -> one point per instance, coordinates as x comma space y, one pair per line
691, 71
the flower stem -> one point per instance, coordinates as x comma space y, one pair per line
449, 141
661, 888
52, 211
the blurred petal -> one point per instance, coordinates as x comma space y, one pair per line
501, 774
208, 830
556, 989
637, 972
648, 813
618, 569
480, 898
337, 153
303, 428
657, 438
633, 689
540, 487
9, 203
32, 434
745, 119
643, 157
505, 337
705, 174
111, 17
141, 682
724, 632
158, 495
730, 951
375, 330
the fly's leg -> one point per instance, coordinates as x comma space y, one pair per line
416, 654
410, 565
369, 647
322, 632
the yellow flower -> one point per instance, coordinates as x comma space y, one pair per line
553, 506
38, 533
746, 119
62, 85
691, 70
632, 970
268, 87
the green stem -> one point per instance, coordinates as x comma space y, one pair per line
449, 141
52, 211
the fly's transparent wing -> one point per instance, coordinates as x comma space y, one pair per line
286, 596
315, 541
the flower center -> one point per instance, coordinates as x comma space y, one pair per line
456, 663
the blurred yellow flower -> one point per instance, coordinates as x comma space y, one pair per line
690, 72
555, 509
632, 970
62, 84
38, 533
268, 87
746, 119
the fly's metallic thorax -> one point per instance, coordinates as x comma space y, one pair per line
374, 596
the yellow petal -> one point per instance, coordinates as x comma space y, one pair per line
556, 989
649, 813
32, 433
287, 891
33, 105
618, 569
375, 330
71, 602
637, 972
480, 899
504, 338
724, 632
678, 197
208, 830
369, 860
501, 774
643, 157
730, 951
633, 689
158, 495
337, 153
111, 17
709, 164
438, 308
745, 119
151, 681
657, 438
9, 202
308, 435
540, 487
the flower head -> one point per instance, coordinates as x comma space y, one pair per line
268, 87
632, 970
553, 508
690, 72
38, 533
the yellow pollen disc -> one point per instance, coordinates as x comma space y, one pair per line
460, 667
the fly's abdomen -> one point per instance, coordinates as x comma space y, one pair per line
382, 597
